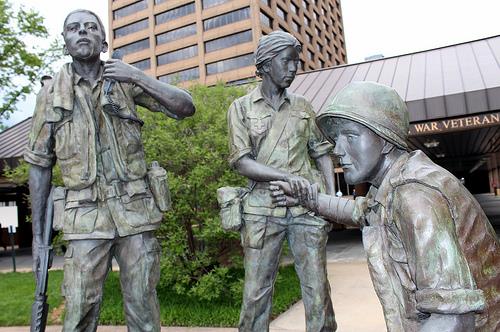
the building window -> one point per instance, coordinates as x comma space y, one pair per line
315, 15
266, 2
310, 55
130, 9
183, 53
306, 21
318, 32
309, 38
131, 28
176, 34
181, 76
143, 64
281, 13
296, 26
323, 11
231, 17
228, 41
320, 48
294, 8
174, 13
213, 3
305, 4
157, 2
266, 20
230, 64
135, 47
321, 64
302, 65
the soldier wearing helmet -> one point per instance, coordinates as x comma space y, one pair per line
433, 256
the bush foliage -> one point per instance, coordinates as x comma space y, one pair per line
196, 251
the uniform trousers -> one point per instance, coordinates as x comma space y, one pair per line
86, 265
262, 240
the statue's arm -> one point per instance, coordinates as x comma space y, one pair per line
177, 101
335, 209
39, 183
242, 160
324, 164
445, 286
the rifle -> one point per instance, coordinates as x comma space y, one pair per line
40, 308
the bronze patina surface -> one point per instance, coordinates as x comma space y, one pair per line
86, 121
273, 136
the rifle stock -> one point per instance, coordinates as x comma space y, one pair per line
40, 308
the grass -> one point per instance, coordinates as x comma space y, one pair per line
16, 297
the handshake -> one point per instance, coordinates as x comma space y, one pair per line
335, 209
286, 194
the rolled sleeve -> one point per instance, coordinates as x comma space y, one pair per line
40, 148
444, 283
239, 140
317, 144
143, 99
452, 302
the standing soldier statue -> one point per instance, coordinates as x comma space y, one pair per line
273, 136
86, 121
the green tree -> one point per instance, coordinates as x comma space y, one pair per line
21, 65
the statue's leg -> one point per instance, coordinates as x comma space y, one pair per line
262, 242
86, 265
139, 259
307, 242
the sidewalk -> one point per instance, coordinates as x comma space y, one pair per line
356, 305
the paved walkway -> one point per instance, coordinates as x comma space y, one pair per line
356, 305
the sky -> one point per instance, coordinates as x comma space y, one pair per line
387, 27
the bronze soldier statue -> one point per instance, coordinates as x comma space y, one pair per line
273, 136
433, 256
86, 121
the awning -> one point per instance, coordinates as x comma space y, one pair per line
445, 82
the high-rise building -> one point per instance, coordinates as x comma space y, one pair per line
211, 40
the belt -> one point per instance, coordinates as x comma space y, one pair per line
114, 189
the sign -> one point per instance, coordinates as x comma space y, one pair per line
450, 125
8, 216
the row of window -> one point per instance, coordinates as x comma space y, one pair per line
211, 69
192, 51
210, 46
143, 4
211, 23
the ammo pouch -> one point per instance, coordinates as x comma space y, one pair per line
231, 213
158, 184
59, 197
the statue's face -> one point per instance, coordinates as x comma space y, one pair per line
283, 67
83, 36
358, 148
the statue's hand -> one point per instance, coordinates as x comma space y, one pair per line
300, 187
280, 197
118, 70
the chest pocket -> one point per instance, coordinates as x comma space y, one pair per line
258, 124
299, 123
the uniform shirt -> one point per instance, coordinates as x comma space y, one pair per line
250, 119
100, 155
430, 248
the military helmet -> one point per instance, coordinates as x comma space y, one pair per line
373, 105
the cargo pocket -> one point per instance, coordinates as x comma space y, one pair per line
153, 251
140, 211
59, 197
80, 220
315, 237
68, 270
253, 233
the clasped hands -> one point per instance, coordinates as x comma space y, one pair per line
294, 191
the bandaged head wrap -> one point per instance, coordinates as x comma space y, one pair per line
271, 45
